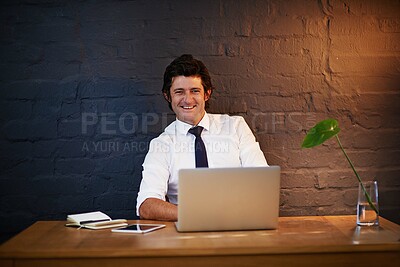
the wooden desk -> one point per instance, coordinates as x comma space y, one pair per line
299, 241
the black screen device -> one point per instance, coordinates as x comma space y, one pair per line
138, 228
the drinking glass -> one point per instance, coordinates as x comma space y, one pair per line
366, 215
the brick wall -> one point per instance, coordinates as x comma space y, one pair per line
80, 97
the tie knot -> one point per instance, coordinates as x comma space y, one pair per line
196, 131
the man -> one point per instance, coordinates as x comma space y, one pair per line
227, 140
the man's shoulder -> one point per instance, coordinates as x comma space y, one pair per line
225, 118
224, 123
167, 135
170, 129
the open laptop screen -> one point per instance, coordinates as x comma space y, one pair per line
228, 198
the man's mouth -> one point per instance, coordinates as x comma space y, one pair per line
188, 107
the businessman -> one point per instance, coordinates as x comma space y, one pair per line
196, 139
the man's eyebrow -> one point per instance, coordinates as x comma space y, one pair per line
179, 88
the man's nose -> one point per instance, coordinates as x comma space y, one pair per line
188, 96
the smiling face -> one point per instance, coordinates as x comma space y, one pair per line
188, 98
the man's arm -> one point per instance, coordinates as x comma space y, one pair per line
157, 209
250, 152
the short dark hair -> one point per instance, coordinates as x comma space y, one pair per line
187, 66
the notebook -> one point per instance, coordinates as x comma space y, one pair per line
94, 220
228, 199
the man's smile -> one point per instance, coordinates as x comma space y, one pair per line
188, 107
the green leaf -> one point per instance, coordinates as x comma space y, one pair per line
321, 132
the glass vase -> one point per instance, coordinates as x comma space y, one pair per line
366, 214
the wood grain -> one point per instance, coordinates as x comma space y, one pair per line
298, 241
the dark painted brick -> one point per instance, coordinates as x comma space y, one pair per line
103, 88
29, 90
46, 32
125, 11
69, 128
53, 70
134, 105
14, 71
12, 110
121, 201
122, 165
69, 87
21, 53
38, 13
30, 130
18, 151
12, 203
74, 166
71, 149
70, 110
43, 166
124, 183
93, 107
45, 148
46, 110
64, 51
13, 184
74, 203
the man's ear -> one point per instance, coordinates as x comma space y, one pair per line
207, 95
167, 97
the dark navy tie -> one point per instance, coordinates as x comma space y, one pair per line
199, 148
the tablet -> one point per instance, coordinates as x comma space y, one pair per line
138, 228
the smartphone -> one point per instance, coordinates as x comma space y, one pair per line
138, 228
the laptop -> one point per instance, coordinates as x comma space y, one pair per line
224, 199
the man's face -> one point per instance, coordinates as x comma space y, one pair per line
188, 98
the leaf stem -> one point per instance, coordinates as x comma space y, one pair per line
358, 177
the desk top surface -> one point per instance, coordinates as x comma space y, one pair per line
309, 234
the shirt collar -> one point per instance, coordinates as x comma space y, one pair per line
183, 127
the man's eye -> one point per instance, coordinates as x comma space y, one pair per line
178, 92
196, 90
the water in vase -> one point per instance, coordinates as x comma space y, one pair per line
366, 216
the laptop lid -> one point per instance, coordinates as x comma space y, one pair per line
228, 198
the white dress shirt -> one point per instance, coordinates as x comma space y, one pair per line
228, 140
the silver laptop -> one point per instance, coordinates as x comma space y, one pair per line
228, 199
